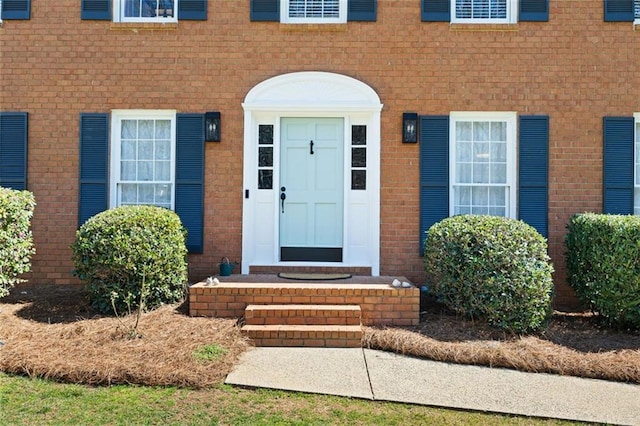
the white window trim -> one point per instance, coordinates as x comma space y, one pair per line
512, 15
636, 161
118, 15
285, 19
117, 116
512, 167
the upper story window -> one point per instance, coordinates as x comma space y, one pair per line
484, 11
145, 11
636, 11
313, 11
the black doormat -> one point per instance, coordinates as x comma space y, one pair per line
304, 276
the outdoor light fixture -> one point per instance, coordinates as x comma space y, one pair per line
409, 127
212, 126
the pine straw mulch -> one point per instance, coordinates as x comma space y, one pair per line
574, 344
50, 331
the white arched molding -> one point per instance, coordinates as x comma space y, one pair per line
311, 94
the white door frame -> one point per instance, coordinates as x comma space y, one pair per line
311, 94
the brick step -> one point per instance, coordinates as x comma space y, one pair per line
330, 336
302, 314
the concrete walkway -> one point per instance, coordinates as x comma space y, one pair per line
384, 376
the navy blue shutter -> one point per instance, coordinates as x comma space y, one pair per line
434, 172
618, 165
436, 10
192, 10
16, 9
265, 10
533, 172
618, 11
362, 10
94, 165
534, 10
190, 177
99, 10
13, 150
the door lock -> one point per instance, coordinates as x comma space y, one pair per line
283, 196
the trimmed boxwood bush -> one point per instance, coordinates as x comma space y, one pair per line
492, 268
16, 240
116, 250
603, 264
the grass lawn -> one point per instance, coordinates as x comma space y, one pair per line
25, 401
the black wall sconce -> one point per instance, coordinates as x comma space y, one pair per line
212, 126
409, 127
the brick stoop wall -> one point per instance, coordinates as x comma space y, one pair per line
310, 314
380, 303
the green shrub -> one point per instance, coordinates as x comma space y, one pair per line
603, 264
492, 268
16, 240
117, 250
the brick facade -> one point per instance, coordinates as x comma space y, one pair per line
575, 68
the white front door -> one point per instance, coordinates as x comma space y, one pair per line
311, 189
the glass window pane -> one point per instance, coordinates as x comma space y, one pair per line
358, 135
146, 193
636, 207
145, 150
481, 131
464, 152
464, 172
497, 196
463, 131
145, 170
163, 150
462, 196
128, 150
358, 157
499, 152
128, 170
481, 152
163, 170
163, 194
163, 129
129, 129
481, 173
499, 131
265, 134
498, 173
265, 156
128, 193
145, 129
358, 179
265, 179
480, 196
497, 211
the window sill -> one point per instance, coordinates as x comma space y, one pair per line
146, 26
484, 27
327, 28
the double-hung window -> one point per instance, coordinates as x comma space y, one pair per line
484, 11
313, 11
143, 158
145, 10
483, 165
636, 12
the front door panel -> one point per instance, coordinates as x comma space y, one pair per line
312, 185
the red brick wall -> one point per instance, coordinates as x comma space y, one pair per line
574, 68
